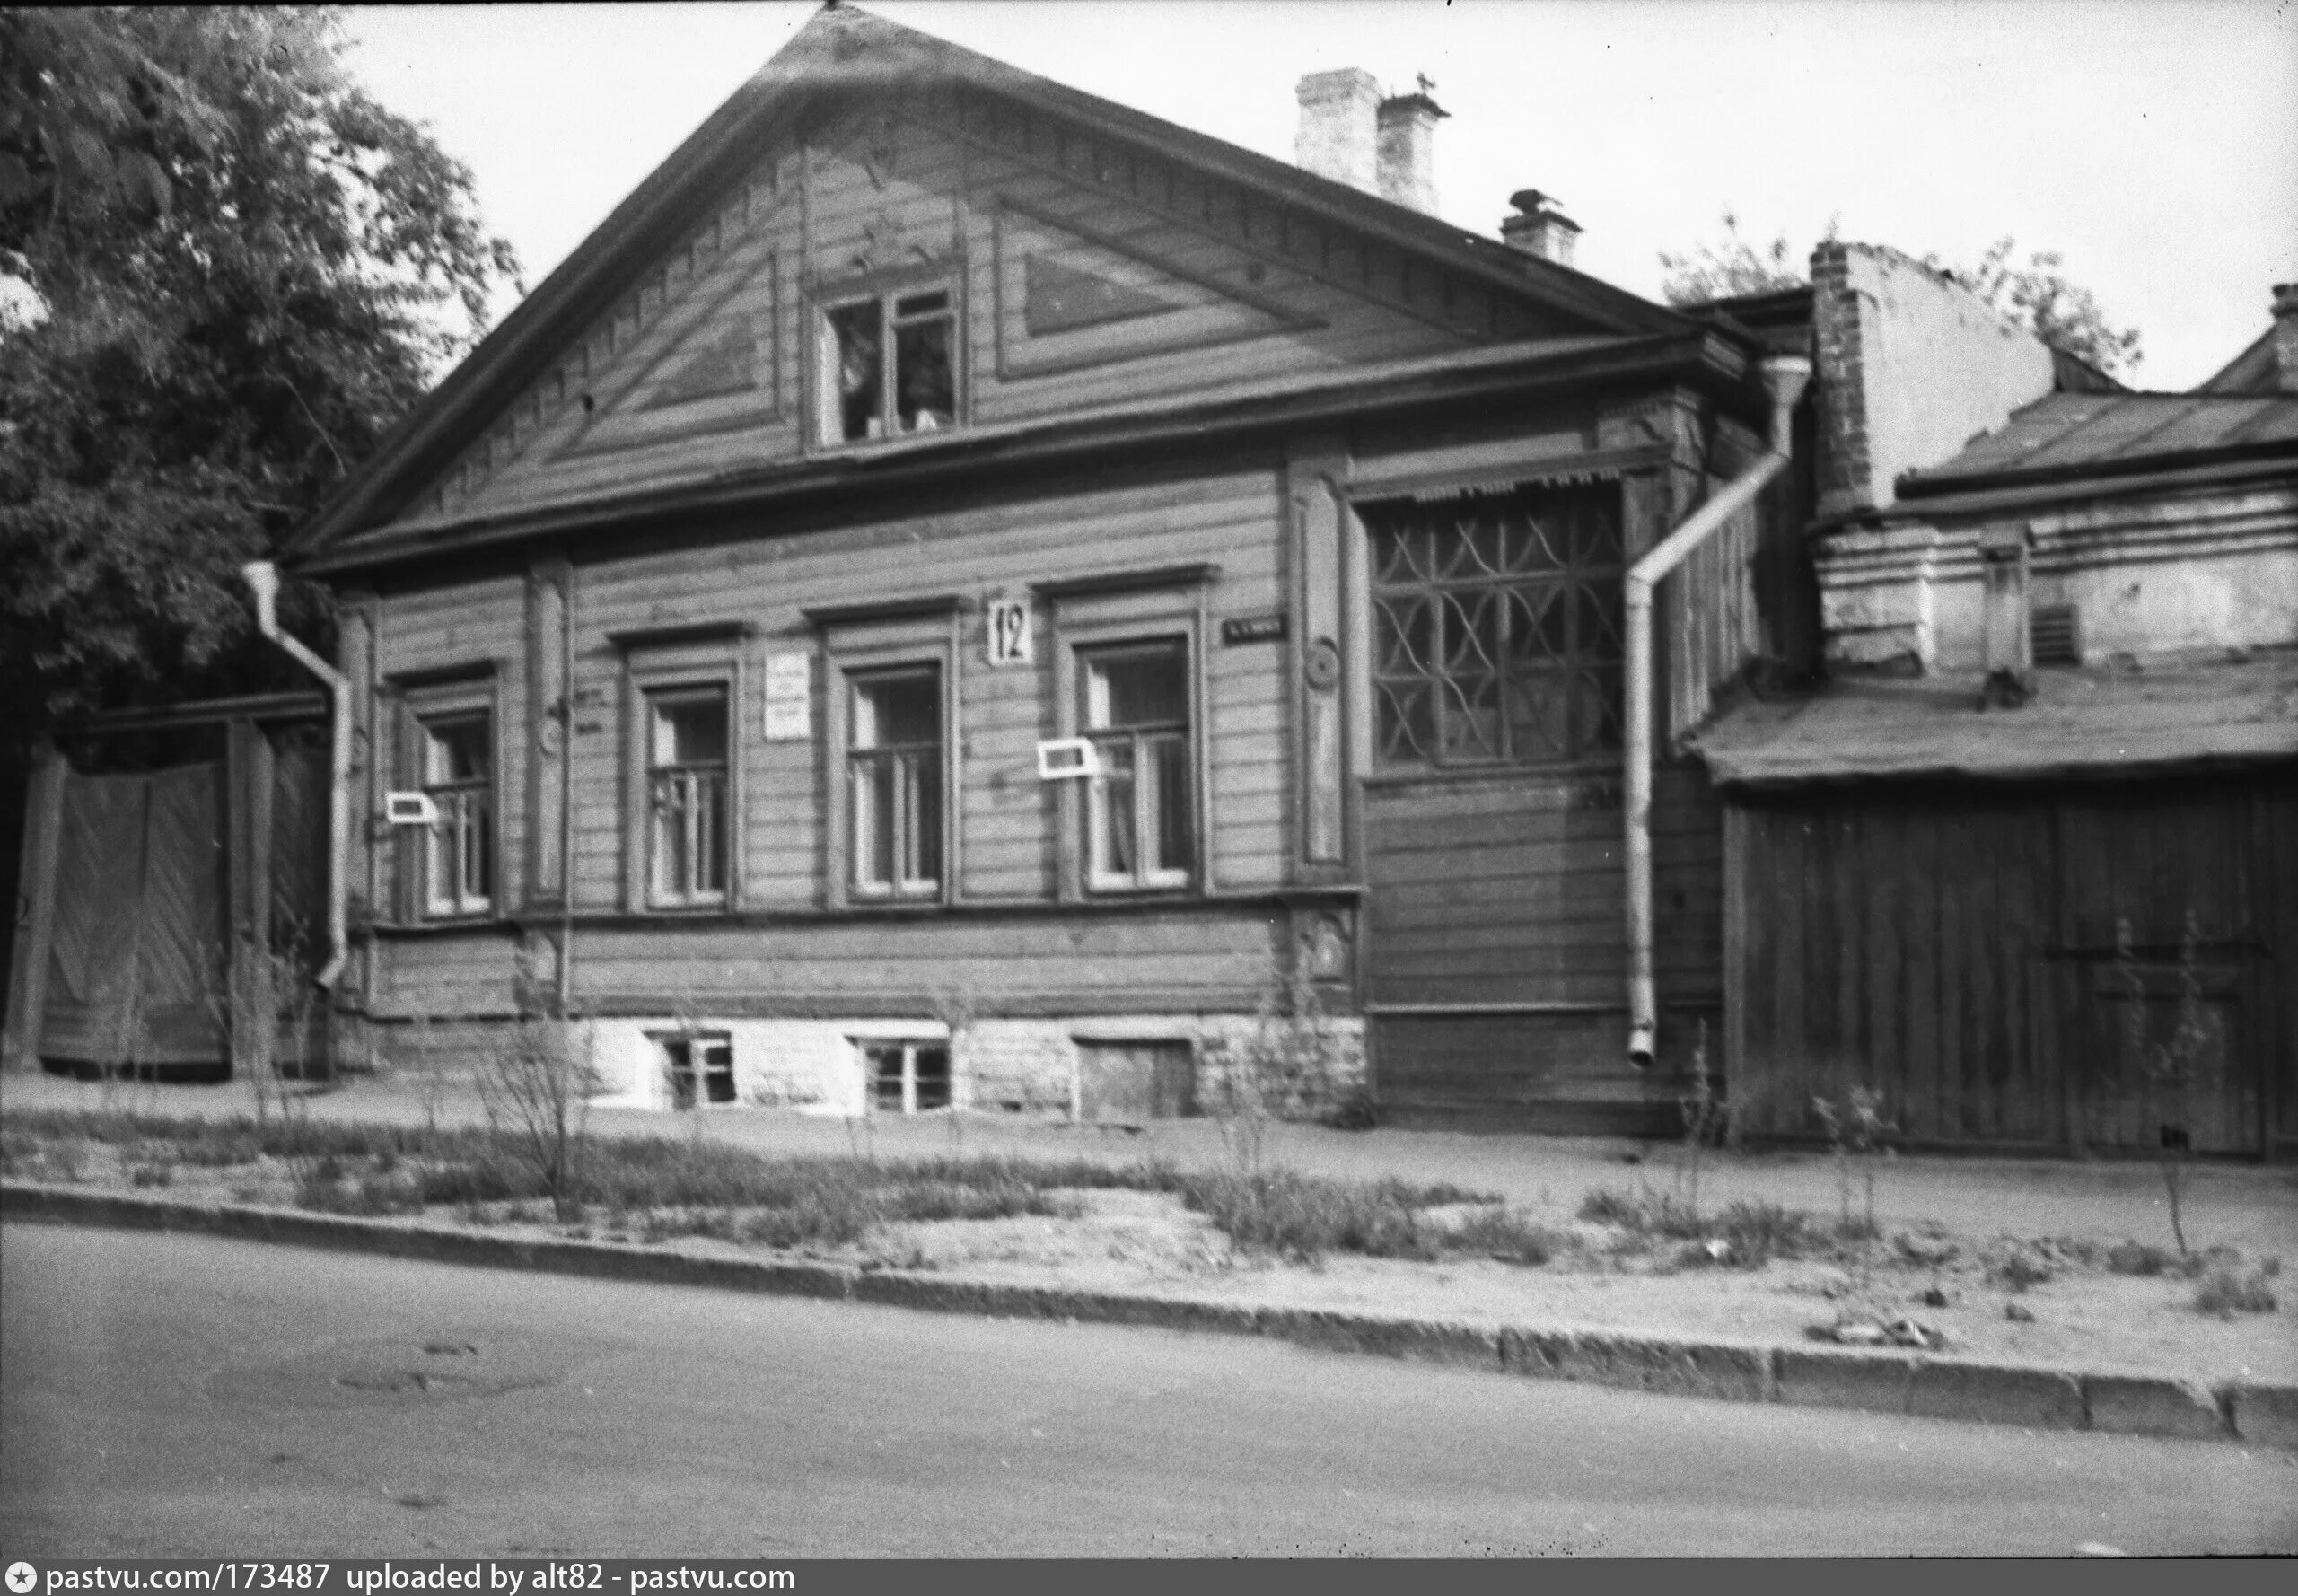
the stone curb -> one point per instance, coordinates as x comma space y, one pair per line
1810, 1376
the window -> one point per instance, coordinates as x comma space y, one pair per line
1497, 627
686, 779
698, 1069
907, 1077
888, 365
1136, 711
459, 778
894, 776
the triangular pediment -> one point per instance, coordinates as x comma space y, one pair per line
1093, 257
1070, 295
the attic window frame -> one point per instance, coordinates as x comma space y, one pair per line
886, 289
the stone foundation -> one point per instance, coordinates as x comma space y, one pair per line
1300, 1068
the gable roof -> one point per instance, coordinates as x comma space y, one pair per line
841, 50
2253, 370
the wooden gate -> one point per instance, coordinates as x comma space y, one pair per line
172, 904
138, 961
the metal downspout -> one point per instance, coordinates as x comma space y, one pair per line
263, 581
1786, 375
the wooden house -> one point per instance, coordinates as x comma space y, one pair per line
962, 591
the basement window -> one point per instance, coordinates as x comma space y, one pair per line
698, 1069
2056, 631
906, 1077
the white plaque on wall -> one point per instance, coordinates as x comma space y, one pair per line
789, 698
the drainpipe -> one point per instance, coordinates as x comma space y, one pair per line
263, 581
1785, 376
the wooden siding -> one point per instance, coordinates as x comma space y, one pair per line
477, 626
763, 589
623, 407
1512, 890
1954, 947
1006, 814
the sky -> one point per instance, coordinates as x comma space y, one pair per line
2152, 144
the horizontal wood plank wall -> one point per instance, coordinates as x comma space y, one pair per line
1204, 960
447, 629
462, 974
1954, 947
1006, 813
1512, 890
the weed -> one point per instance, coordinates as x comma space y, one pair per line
2225, 1293
2017, 1269
1759, 1232
2138, 1258
1703, 1115
1644, 1214
151, 1174
535, 1092
2169, 1067
1508, 1236
1854, 1127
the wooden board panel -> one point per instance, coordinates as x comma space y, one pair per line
1962, 922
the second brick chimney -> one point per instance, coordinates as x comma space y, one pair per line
1409, 148
1349, 133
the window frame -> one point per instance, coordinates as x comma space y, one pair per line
869, 640
866, 1046
693, 659
687, 895
886, 289
458, 905
418, 700
696, 1042
906, 835
1094, 801
1572, 578
1091, 613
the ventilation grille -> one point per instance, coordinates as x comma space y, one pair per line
2057, 634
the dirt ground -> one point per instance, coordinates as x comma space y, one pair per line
2078, 1313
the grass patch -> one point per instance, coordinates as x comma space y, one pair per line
2225, 1291
1508, 1237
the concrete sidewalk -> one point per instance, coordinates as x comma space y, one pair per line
2249, 1206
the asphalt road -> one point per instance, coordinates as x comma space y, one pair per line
177, 1395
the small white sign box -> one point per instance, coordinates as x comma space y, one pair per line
789, 698
1067, 758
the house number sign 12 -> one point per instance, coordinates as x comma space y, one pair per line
1009, 632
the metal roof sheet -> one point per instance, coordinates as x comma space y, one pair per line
2181, 715
2075, 433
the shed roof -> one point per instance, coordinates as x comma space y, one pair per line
2073, 436
2184, 715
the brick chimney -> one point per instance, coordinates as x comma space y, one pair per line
2285, 337
1408, 148
1540, 227
1336, 137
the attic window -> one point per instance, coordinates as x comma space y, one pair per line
889, 365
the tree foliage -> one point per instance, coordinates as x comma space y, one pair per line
2037, 295
233, 271
1730, 266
